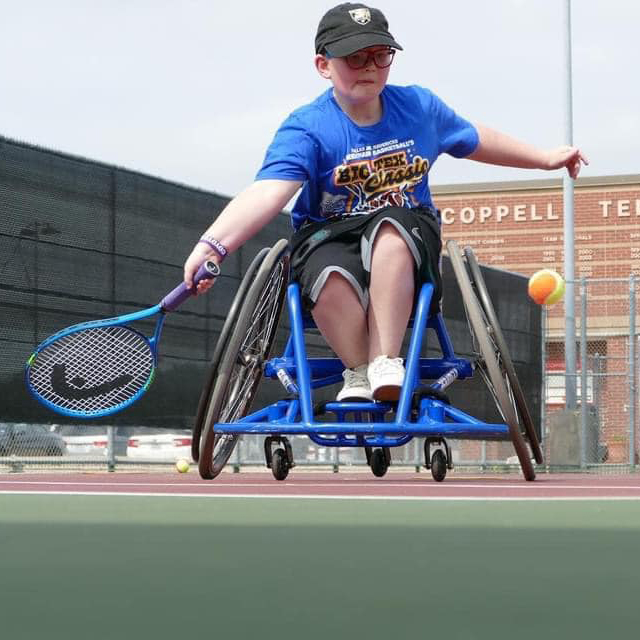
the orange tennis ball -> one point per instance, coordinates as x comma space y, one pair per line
546, 286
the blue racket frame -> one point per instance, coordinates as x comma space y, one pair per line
433, 417
170, 302
117, 321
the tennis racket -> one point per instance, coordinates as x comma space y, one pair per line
97, 368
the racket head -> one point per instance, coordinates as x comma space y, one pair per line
91, 370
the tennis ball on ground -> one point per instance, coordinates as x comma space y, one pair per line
546, 286
182, 466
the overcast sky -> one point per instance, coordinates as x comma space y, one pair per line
193, 90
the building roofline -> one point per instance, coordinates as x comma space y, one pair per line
533, 185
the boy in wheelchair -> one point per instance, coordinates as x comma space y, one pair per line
366, 233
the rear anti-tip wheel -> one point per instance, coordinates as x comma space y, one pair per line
379, 462
280, 464
438, 465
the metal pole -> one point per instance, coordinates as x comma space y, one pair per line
238, 462
632, 370
569, 271
583, 372
543, 388
36, 283
111, 449
112, 239
39, 229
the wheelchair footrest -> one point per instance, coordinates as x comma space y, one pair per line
343, 408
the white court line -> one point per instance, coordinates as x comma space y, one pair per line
528, 486
260, 496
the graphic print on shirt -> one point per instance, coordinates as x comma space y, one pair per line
379, 176
332, 204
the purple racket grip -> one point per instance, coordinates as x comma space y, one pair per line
176, 297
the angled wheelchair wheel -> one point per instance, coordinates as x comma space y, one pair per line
489, 359
514, 387
227, 328
242, 358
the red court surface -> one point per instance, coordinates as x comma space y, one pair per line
395, 485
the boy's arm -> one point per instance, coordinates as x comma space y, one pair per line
241, 219
497, 148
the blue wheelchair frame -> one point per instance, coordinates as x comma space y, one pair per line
432, 417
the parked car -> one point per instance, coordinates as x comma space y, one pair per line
160, 445
91, 440
21, 439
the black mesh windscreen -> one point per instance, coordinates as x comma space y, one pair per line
81, 240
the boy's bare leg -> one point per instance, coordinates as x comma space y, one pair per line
391, 293
342, 321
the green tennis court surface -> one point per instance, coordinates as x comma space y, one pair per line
155, 567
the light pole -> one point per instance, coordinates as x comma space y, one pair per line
571, 401
35, 230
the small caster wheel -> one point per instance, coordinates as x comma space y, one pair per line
379, 463
279, 464
438, 465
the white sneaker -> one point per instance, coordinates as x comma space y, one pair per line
356, 385
386, 376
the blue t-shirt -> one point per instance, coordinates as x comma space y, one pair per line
351, 170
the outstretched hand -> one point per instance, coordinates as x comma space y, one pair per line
570, 157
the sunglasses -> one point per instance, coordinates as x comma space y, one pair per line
360, 59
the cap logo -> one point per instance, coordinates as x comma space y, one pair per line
361, 16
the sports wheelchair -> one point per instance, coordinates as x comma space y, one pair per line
241, 358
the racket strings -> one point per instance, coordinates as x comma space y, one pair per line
92, 370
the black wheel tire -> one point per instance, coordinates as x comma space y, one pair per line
241, 362
279, 464
379, 464
223, 338
477, 280
487, 362
438, 465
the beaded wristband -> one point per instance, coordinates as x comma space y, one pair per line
216, 245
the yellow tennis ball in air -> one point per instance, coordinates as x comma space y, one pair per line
182, 466
546, 286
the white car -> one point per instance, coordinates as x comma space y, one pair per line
89, 440
160, 445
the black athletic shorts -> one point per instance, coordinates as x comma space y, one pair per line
344, 245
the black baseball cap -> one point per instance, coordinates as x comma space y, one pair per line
350, 27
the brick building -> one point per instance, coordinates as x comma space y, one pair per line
518, 226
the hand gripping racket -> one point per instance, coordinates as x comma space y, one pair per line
94, 369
